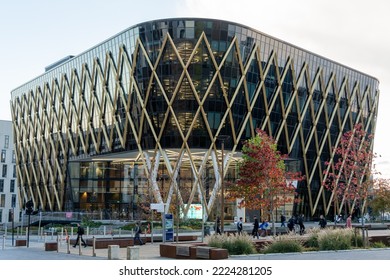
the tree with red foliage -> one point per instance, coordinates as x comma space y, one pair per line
380, 202
350, 176
262, 181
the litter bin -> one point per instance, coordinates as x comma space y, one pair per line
206, 230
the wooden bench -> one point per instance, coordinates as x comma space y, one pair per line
192, 251
51, 246
20, 242
203, 252
179, 250
211, 253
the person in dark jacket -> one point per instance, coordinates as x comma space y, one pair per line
217, 226
301, 225
322, 222
239, 226
255, 230
137, 234
291, 223
282, 220
80, 232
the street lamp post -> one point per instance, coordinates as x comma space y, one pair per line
29, 210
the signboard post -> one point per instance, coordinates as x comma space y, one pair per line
168, 227
159, 207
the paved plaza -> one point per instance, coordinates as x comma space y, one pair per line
150, 251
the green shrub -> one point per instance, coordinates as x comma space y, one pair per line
191, 224
234, 244
357, 241
335, 239
283, 245
378, 245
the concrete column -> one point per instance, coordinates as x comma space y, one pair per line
132, 253
113, 252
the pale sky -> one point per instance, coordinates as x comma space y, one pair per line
34, 34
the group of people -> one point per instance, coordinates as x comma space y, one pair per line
297, 220
259, 229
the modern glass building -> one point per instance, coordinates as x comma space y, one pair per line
157, 112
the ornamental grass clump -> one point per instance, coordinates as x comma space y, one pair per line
284, 244
335, 239
311, 242
235, 244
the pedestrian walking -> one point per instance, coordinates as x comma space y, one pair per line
322, 222
80, 232
239, 226
255, 230
283, 220
291, 223
217, 226
348, 223
138, 231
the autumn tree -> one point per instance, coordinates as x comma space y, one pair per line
380, 203
350, 176
261, 182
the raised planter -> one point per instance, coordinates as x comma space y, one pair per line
103, 243
381, 238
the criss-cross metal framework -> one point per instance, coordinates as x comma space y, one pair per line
134, 96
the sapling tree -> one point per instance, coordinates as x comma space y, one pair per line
350, 175
262, 179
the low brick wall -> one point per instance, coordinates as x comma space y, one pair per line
182, 238
103, 243
382, 238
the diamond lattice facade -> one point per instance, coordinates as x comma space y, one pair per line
139, 118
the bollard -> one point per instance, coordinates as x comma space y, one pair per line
68, 245
3, 242
113, 252
132, 253
58, 243
93, 246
